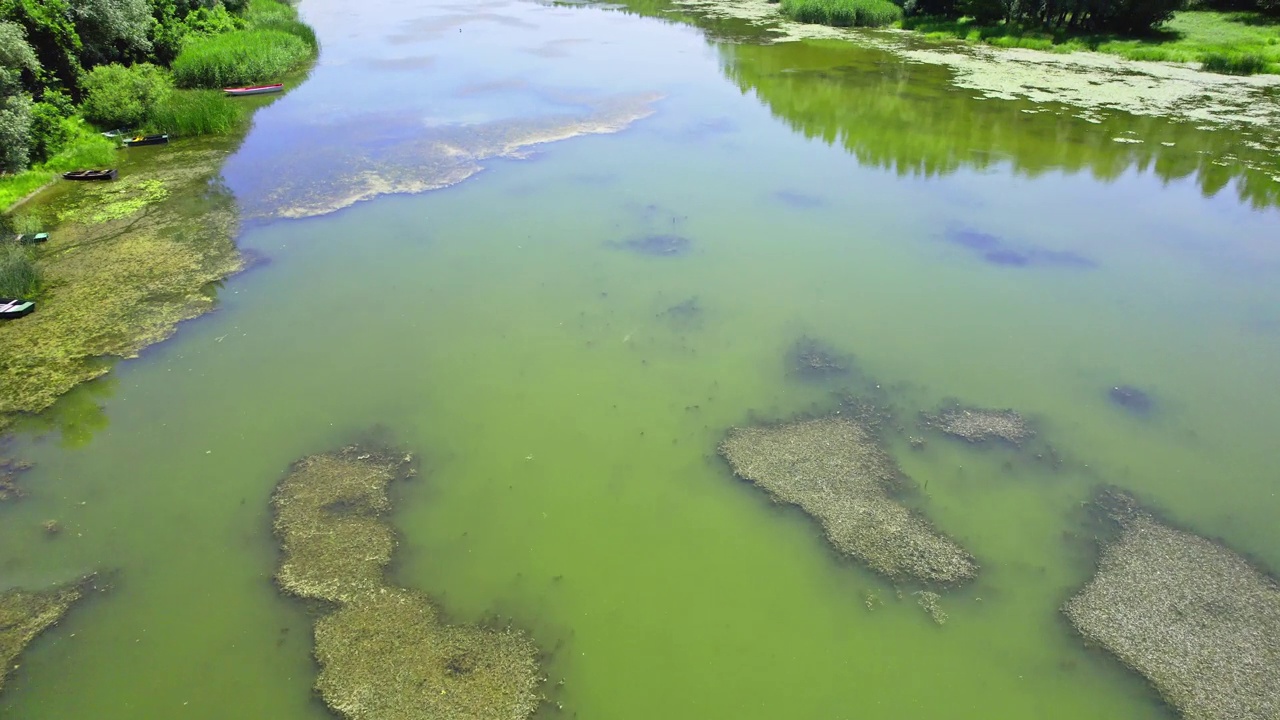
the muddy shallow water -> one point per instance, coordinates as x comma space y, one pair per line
568, 425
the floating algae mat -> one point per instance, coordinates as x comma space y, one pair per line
25, 614
1194, 618
978, 425
834, 470
384, 652
129, 261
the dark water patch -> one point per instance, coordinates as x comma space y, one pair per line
799, 200
1132, 399
1006, 258
995, 250
685, 311
700, 130
813, 359
974, 240
656, 245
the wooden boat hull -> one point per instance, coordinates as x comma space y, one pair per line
91, 174
144, 140
256, 90
12, 308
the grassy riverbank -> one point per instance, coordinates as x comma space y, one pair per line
1232, 42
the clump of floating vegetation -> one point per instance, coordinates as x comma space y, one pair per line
834, 469
978, 425
25, 614
815, 360
929, 602
384, 651
1194, 618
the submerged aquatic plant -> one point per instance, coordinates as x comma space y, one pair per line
815, 360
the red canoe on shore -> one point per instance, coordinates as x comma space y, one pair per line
255, 90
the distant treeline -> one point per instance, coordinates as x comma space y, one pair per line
108, 61
1128, 17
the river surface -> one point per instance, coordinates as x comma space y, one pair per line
997, 252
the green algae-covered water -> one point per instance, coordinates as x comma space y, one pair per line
996, 252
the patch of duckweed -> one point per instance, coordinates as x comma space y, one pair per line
25, 614
131, 197
834, 469
126, 265
1194, 618
384, 651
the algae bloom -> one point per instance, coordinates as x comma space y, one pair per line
384, 651
1191, 616
834, 469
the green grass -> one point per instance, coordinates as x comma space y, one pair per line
1238, 43
843, 13
240, 58
272, 15
87, 149
19, 276
186, 113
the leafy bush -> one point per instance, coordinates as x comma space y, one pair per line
118, 96
1244, 64
19, 276
52, 125
196, 112
239, 58
843, 13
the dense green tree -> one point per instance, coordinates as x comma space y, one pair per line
112, 30
51, 32
16, 58
119, 96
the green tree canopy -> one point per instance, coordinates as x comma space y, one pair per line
112, 30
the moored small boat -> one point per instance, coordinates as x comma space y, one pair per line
31, 238
140, 140
254, 90
90, 174
14, 308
